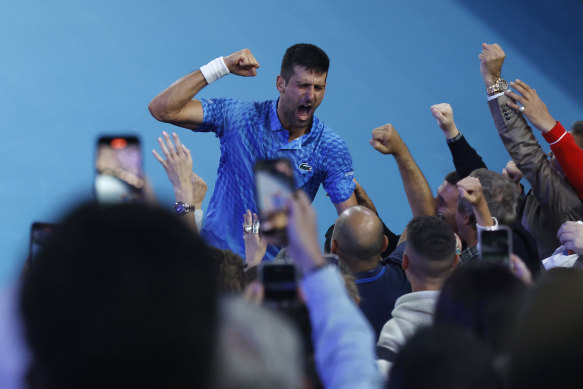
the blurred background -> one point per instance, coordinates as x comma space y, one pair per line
72, 70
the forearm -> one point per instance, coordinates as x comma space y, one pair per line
517, 137
417, 189
171, 104
482, 214
465, 158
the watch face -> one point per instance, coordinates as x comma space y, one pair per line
502, 84
179, 208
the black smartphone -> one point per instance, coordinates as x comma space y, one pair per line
495, 245
119, 176
274, 186
39, 234
280, 281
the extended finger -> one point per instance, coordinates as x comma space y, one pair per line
169, 143
179, 145
247, 218
159, 158
163, 147
514, 106
515, 96
522, 86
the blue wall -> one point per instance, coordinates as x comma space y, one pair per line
72, 70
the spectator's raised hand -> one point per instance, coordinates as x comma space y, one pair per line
178, 165
255, 247
386, 140
470, 188
513, 172
571, 236
242, 63
532, 106
491, 60
444, 115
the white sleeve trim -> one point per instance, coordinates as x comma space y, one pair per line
490, 98
557, 141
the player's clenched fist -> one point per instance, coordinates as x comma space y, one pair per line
242, 63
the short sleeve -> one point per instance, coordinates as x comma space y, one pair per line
215, 113
339, 181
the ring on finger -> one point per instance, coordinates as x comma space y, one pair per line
247, 228
256, 226
521, 109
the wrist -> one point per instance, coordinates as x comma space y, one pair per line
547, 125
489, 78
214, 70
482, 213
184, 195
451, 132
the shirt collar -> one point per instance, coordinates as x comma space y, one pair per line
369, 275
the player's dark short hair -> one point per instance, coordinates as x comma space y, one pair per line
306, 55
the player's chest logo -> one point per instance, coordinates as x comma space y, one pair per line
304, 167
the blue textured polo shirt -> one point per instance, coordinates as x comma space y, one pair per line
251, 131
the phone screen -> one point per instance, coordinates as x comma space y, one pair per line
119, 174
279, 281
496, 246
275, 185
39, 233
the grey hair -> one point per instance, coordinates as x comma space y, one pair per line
501, 194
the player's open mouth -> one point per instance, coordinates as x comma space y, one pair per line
304, 112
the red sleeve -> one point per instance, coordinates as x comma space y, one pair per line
569, 155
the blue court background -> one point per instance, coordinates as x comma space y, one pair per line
72, 70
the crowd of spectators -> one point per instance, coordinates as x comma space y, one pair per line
130, 295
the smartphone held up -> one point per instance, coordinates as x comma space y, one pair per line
119, 176
495, 245
274, 186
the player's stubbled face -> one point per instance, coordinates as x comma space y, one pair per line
300, 96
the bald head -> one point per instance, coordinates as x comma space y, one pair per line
358, 235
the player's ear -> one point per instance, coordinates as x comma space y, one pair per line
280, 83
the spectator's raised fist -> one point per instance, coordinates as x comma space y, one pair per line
444, 115
386, 140
491, 60
242, 63
470, 188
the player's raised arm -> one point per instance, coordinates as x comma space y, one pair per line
175, 104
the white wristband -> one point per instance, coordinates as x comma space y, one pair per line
198, 219
214, 70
